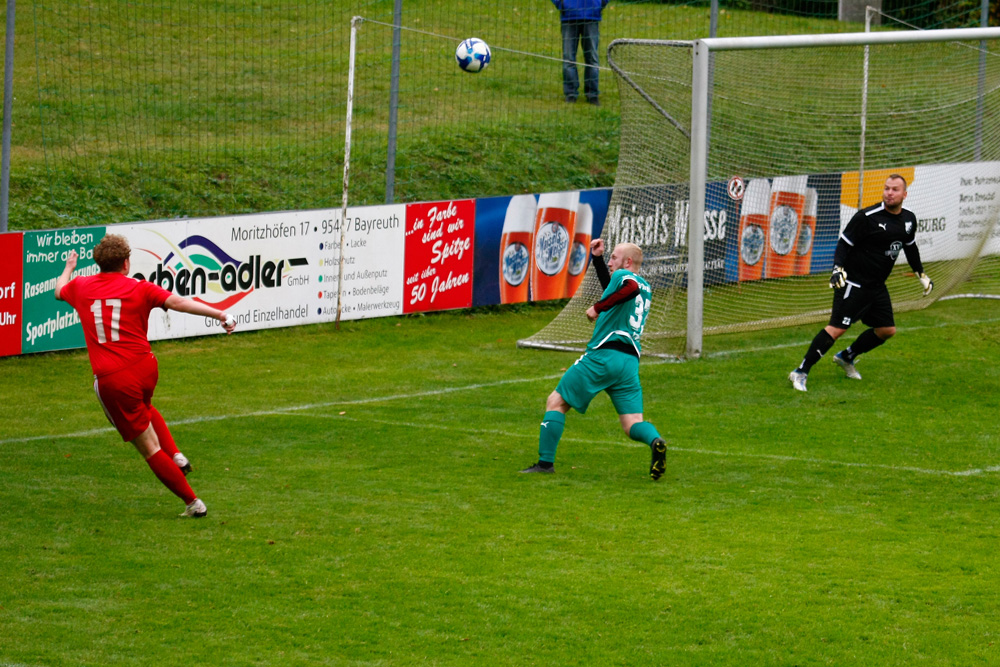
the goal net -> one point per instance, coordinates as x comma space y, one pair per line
775, 143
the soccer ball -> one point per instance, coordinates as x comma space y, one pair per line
473, 55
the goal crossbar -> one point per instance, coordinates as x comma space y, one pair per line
848, 39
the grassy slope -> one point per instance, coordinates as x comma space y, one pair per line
138, 123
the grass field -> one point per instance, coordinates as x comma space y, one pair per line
371, 513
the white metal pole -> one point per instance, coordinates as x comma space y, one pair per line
696, 208
864, 112
355, 23
397, 48
8, 105
984, 19
851, 39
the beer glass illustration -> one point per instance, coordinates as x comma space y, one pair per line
807, 232
515, 248
555, 224
579, 251
788, 200
753, 228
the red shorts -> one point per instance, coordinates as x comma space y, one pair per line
127, 395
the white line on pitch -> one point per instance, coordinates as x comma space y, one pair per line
294, 408
432, 392
781, 346
707, 452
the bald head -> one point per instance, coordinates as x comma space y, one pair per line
626, 256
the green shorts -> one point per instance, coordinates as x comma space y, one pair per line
603, 370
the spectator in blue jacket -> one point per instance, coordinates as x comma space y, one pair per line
580, 25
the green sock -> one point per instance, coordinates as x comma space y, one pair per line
548, 435
644, 432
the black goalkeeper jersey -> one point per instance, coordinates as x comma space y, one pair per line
869, 245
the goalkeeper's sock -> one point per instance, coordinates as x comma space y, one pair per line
549, 434
643, 432
171, 476
167, 443
817, 348
866, 342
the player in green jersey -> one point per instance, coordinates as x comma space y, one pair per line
611, 362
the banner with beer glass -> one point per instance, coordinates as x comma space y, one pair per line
535, 248
788, 226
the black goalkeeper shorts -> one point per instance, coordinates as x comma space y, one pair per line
870, 304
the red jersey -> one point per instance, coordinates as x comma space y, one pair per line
114, 311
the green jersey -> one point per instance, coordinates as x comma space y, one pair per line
623, 322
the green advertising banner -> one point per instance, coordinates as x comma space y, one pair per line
50, 324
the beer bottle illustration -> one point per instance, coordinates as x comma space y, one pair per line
807, 232
515, 248
788, 200
555, 224
753, 228
579, 250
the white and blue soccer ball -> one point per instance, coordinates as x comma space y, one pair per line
473, 55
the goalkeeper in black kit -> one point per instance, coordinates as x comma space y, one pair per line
866, 252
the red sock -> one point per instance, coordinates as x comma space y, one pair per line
167, 443
167, 472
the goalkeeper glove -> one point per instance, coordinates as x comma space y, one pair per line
927, 283
838, 278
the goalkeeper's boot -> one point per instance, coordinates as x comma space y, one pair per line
543, 467
196, 509
798, 379
848, 367
659, 463
181, 461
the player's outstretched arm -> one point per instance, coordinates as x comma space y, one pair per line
193, 307
66, 274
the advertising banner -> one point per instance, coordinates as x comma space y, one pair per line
663, 221
254, 267
11, 255
267, 270
506, 246
787, 227
50, 324
373, 263
955, 206
272, 270
438, 268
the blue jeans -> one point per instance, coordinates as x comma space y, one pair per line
585, 33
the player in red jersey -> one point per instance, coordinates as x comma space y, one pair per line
114, 311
